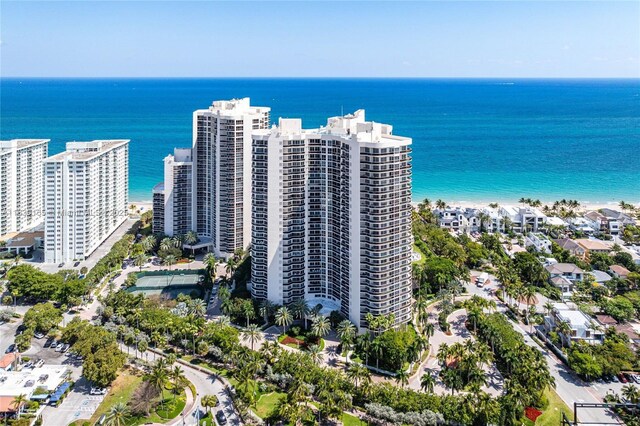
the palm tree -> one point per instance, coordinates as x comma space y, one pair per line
166, 244
427, 382
631, 393
320, 326
441, 205
266, 309
564, 328
483, 218
283, 318
208, 401
358, 374
315, 353
176, 241
190, 238
211, 263
252, 334
346, 333
18, 402
402, 378
178, 380
140, 260
548, 306
248, 311
529, 296
169, 261
300, 309
118, 415
158, 378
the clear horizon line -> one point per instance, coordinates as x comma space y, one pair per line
317, 78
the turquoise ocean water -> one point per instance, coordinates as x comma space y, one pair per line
473, 140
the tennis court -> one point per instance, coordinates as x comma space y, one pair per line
165, 280
169, 284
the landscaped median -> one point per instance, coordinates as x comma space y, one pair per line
126, 400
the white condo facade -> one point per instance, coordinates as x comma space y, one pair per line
86, 196
221, 209
173, 198
332, 217
21, 184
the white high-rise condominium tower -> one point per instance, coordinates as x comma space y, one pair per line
173, 198
21, 187
86, 196
222, 178
331, 217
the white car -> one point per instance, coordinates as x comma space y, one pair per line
98, 391
59, 347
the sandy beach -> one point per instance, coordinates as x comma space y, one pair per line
584, 206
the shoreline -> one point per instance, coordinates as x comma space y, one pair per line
145, 205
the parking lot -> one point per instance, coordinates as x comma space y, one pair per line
78, 404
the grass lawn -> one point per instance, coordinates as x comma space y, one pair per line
121, 390
301, 337
552, 414
350, 420
207, 420
423, 258
172, 407
267, 403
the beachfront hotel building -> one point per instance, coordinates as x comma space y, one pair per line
173, 198
21, 184
222, 173
86, 195
331, 220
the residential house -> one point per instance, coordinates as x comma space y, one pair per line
602, 223
566, 270
600, 277
593, 245
523, 219
541, 243
619, 271
8, 361
580, 224
581, 326
622, 218
571, 246
453, 219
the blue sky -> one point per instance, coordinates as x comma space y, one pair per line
324, 39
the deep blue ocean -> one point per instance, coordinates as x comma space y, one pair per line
473, 140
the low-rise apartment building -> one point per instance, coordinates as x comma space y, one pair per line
540, 242
580, 325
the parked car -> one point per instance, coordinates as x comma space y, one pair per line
39, 363
61, 265
221, 418
614, 379
622, 378
59, 347
49, 342
65, 348
28, 365
75, 265
39, 335
98, 391
11, 348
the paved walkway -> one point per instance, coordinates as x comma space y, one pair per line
206, 383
